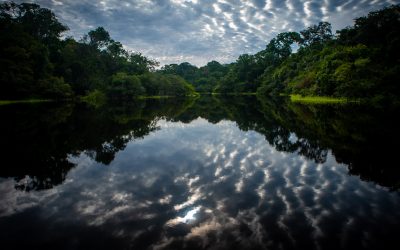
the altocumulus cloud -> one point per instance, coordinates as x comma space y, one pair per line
199, 31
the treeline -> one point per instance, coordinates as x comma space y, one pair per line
117, 124
36, 62
312, 131
204, 79
361, 61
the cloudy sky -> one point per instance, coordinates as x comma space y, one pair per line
198, 31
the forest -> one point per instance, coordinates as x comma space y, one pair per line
361, 61
38, 62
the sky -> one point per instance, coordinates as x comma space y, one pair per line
198, 31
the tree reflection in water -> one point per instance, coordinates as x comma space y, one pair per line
224, 173
37, 140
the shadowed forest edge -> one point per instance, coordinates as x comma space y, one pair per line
38, 62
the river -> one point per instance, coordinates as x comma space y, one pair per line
208, 173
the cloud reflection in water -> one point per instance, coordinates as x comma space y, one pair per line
201, 185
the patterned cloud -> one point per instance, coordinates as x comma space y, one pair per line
199, 31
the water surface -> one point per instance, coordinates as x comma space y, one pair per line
211, 173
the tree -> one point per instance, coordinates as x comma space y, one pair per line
139, 64
98, 38
28, 36
124, 86
280, 47
316, 34
116, 50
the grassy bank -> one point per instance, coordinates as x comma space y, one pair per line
235, 94
319, 99
154, 97
141, 97
8, 102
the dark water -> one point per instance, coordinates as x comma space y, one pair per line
211, 173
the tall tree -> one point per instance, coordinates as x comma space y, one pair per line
316, 34
98, 38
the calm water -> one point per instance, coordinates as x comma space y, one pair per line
211, 173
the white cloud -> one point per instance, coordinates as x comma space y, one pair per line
173, 31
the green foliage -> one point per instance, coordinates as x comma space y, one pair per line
8, 102
157, 84
362, 61
355, 65
333, 71
98, 38
95, 98
35, 62
40, 23
316, 34
318, 99
124, 86
139, 64
55, 88
204, 79
248, 71
174, 85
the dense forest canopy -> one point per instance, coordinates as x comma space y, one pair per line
360, 61
36, 61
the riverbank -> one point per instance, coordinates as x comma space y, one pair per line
321, 99
8, 102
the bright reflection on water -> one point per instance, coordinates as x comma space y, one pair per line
200, 185
188, 218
